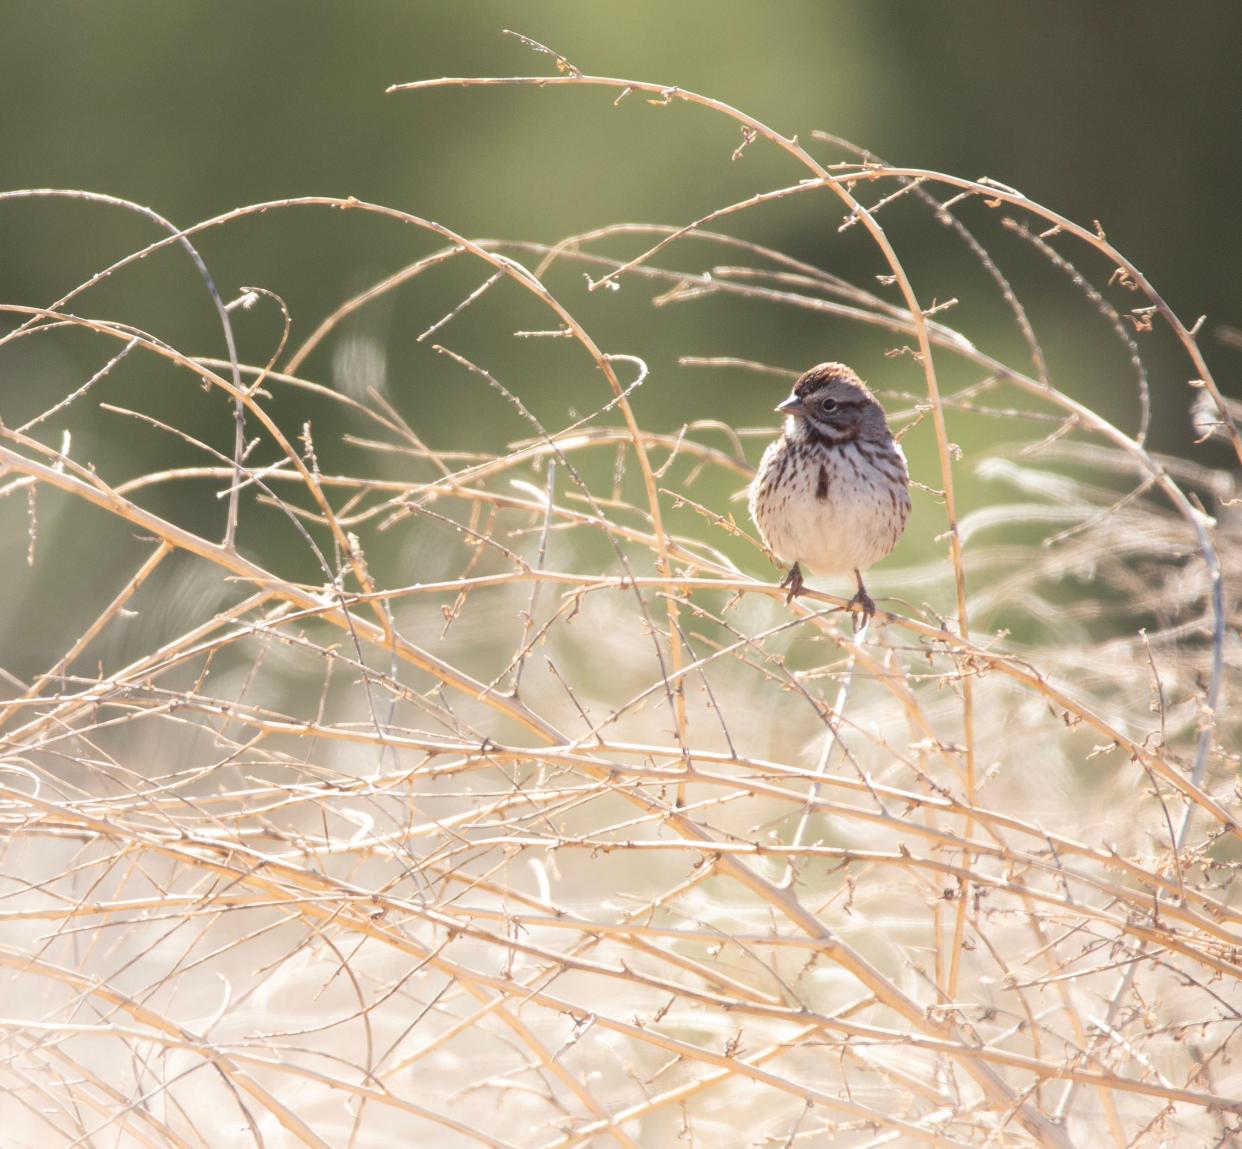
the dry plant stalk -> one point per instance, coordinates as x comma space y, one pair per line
534, 819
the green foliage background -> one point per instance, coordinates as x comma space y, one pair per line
1126, 113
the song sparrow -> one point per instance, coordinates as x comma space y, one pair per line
832, 492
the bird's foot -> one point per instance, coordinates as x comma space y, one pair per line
793, 580
864, 601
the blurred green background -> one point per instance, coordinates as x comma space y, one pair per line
1123, 113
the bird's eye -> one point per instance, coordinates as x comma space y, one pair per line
828, 404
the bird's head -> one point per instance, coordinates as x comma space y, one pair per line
830, 402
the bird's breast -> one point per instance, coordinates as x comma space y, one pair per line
833, 509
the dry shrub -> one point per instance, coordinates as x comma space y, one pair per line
508, 805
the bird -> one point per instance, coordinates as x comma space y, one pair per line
833, 492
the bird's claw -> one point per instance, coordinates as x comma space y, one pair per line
864, 601
793, 580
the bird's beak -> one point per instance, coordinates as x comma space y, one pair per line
792, 406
